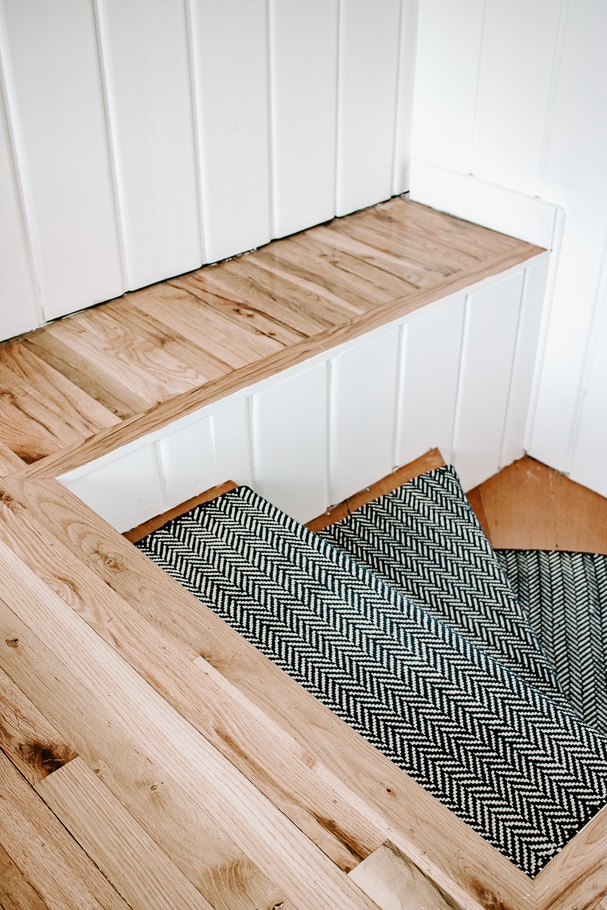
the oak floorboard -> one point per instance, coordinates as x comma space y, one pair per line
253, 744
16, 892
33, 611
177, 304
240, 311
60, 874
282, 295
449, 852
75, 407
126, 855
26, 737
131, 356
395, 883
9, 462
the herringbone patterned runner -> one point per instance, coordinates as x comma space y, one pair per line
425, 540
565, 596
517, 767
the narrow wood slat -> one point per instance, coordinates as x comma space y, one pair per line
210, 780
275, 322
9, 462
123, 403
395, 883
127, 856
407, 269
59, 872
177, 305
76, 408
130, 356
339, 268
428, 462
250, 740
577, 876
182, 349
441, 845
16, 892
270, 284
26, 737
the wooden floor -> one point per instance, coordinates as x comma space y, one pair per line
150, 757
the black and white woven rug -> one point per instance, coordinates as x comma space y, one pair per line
565, 597
517, 766
425, 540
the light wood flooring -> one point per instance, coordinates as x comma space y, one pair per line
150, 757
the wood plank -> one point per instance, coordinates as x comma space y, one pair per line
182, 349
9, 462
71, 364
273, 321
75, 406
126, 855
395, 883
577, 876
279, 294
131, 357
244, 735
428, 462
60, 874
16, 893
440, 844
26, 737
146, 789
178, 305
270, 841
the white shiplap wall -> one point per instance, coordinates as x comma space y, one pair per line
510, 99
456, 374
139, 141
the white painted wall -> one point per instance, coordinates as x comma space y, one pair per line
318, 432
510, 99
139, 141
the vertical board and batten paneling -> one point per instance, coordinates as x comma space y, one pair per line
490, 325
575, 175
59, 120
18, 294
146, 61
516, 427
369, 50
405, 96
456, 374
152, 138
588, 461
362, 412
514, 91
289, 431
303, 64
446, 79
187, 461
231, 91
429, 373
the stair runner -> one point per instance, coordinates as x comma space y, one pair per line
565, 597
456, 690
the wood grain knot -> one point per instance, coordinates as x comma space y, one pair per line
12, 642
45, 757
